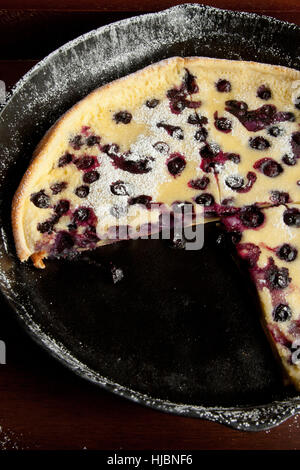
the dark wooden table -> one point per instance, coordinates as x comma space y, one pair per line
43, 405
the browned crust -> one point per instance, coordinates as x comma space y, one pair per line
240, 64
37, 259
22, 248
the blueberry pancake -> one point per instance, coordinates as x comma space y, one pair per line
219, 137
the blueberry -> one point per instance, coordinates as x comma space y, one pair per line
259, 143
278, 277
40, 199
264, 92
200, 183
197, 120
90, 177
233, 157
201, 134
119, 188
152, 103
45, 227
110, 149
162, 147
208, 151
275, 131
223, 86
251, 216
289, 159
76, 142
291, 217
178, 106
84, 163
82, 191
82, 214
287, 252
279, 197
174, 94
65, 160
92, 140
223, 124
177, 132
57, 188
235, 182
268, 167
176, 164
205, 199
282, 312
72, 227
123, 116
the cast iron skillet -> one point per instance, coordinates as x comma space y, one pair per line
180, 332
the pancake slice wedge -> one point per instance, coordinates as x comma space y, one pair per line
268, 240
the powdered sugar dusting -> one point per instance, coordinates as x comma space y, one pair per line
144, 147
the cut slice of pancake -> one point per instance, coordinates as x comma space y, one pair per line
269, 240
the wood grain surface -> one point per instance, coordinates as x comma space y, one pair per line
43, 405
